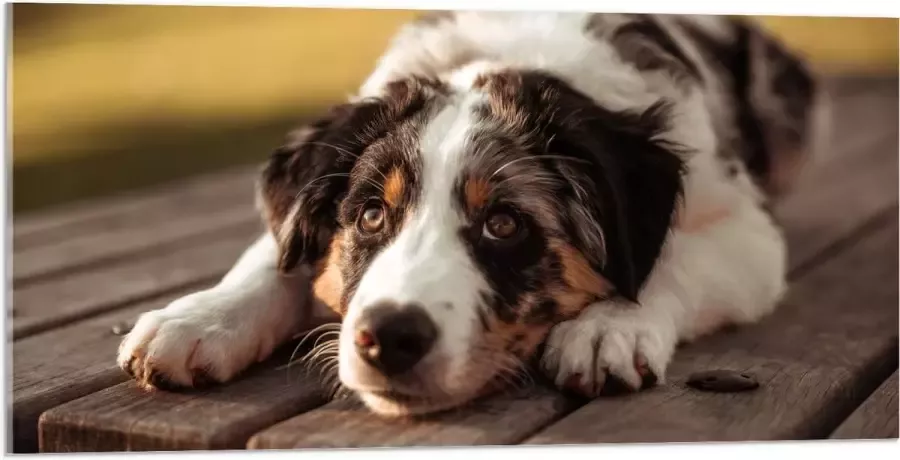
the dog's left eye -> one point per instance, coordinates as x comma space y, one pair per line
371, 219
500, 226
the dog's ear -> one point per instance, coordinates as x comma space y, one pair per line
301, 186
621, 206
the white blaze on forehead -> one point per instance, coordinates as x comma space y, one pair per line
427, 263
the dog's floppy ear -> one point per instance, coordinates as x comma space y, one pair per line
622, 205
300, 187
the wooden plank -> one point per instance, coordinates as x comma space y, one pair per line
855, 179
817, 357
53, 260
65, 364
127, 418
50, 303
43, 380
506, 419
135, 209
876, 418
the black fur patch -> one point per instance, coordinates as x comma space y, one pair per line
631, 183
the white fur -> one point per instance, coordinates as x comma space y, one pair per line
428, 265
226, 328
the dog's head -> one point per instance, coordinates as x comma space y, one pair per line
453, 225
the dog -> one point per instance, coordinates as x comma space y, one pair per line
574, 192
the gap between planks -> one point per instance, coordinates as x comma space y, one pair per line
131, 208
45, 305
876, 418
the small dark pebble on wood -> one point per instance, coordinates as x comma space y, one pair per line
121, 328
722, 381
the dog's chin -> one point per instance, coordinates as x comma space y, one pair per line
389, 403
392, 404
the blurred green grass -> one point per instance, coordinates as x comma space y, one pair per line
108, 98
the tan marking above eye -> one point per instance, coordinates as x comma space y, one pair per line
394, 186
477, 193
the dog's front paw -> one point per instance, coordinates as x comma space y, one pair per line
190, 343
608, 349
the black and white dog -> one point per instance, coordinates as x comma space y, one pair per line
582, 190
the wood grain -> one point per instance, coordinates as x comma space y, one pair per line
50, 303
876, 418
128, 418
106, 246
852, 181
133, 210
817, 357
346, 424
67, 363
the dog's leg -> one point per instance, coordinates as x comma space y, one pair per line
726, 268
212, 335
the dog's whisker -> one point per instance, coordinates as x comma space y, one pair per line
537, 157
325, 144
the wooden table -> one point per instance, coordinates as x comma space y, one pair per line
826, 361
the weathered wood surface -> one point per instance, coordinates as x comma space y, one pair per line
67, 363
104, 246
165, 202
505, 419
219, 418
46, 304
876, 418
134, 232
843, 208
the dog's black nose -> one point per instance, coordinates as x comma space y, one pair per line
393, 338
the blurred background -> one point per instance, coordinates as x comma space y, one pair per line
110, 98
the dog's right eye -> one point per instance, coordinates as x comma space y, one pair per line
372, 218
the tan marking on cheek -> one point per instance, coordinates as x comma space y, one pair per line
570, 302
477, 193
581, 284
393, 187
577, 272
329, 285
519, 338
532, 336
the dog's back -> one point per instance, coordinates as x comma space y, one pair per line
764, 103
